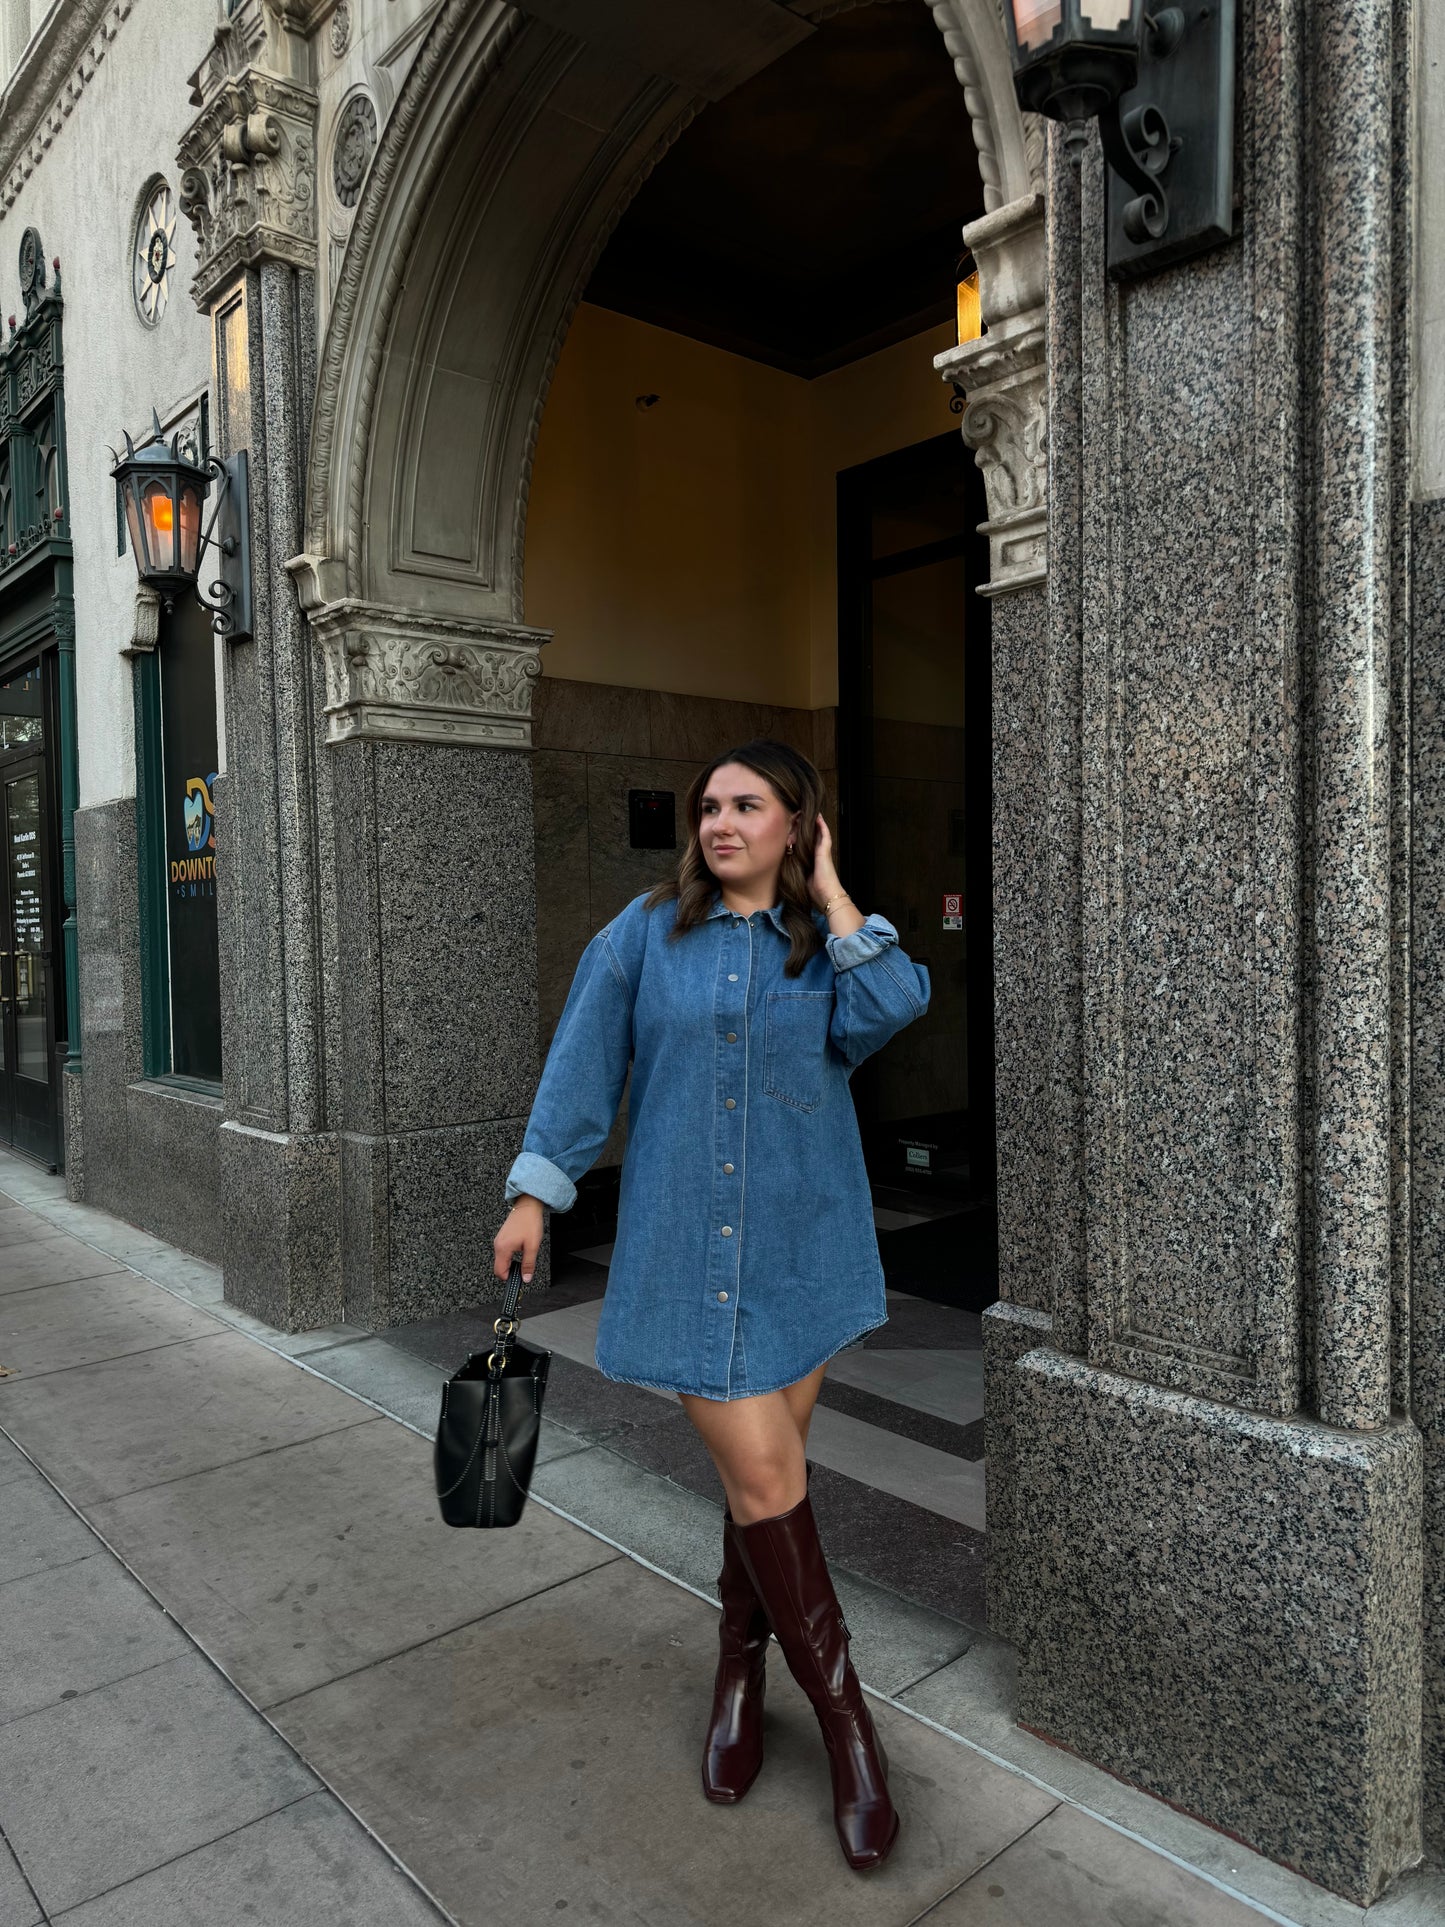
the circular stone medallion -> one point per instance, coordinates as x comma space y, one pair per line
355, 144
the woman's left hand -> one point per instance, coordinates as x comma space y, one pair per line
823, 883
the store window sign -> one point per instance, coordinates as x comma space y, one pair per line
194, 874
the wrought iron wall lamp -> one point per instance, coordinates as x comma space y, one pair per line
1160, 82
163, 492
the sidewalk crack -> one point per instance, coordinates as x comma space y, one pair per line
934, 1905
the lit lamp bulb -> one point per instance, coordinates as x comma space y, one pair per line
970, 309
160, 515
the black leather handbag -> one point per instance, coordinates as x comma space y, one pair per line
491, 1415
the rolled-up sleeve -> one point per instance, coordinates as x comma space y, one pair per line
581, 1084
878, 989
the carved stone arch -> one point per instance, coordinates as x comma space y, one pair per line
511, 152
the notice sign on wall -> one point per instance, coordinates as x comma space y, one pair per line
953, 910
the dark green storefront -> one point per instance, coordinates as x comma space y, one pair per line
38, 786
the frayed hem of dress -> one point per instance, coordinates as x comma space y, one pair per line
754, 1391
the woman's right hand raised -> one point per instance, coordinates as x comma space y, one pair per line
521, 1231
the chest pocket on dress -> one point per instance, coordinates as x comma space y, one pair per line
795, 1046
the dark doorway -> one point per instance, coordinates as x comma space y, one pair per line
30, 1018
915, 829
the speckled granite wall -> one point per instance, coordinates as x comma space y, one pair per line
1199, 1452
437, 1015
1020, 945
280, 1157
1190, 846
1254, 1583
1427, 1114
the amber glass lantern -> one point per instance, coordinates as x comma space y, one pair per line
162, 492
1073, 58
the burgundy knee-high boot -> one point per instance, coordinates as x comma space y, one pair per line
733, 1750
790, 1576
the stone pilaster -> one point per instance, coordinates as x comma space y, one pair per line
435, 978
248, 186
1210, 1498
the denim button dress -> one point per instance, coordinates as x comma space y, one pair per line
746, 1254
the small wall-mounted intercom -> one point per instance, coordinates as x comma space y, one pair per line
652, 819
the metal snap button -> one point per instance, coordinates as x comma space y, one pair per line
732, 1037
727, 1231
727, 1170
730, 1103
732, 976
722, 1297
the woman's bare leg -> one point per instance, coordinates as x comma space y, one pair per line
757, 1445
802, 1397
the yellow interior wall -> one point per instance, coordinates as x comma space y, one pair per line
691, 546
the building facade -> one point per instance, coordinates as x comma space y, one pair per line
291, 914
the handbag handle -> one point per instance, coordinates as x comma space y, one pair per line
506, 1322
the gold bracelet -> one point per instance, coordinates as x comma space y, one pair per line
842, 897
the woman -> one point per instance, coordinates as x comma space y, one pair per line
743, 993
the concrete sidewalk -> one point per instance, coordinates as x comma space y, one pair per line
249, 1675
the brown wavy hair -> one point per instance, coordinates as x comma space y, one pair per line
798, 786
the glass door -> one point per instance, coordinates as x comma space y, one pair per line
27, 1015
915, 753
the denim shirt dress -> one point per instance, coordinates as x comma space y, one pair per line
746, 1254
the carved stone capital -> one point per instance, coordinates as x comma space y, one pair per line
1003, 378
248, 159
1005, 421
402, 676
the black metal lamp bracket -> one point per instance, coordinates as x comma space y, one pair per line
229, 596
1177, 122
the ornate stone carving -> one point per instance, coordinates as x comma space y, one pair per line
1006, 423
1004, 381
1010, 144
146, 631
340, 28
355, 145
400, 675
248, 160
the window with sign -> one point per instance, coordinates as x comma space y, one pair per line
189, 763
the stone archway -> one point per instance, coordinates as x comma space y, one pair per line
512, 151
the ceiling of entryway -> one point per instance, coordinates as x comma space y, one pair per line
813, 214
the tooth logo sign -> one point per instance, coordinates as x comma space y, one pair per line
199, 813
194, 875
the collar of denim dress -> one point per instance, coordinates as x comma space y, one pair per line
720, 909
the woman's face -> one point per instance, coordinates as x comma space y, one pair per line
743, 826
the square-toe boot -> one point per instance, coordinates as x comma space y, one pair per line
790, 1576
733, 1750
